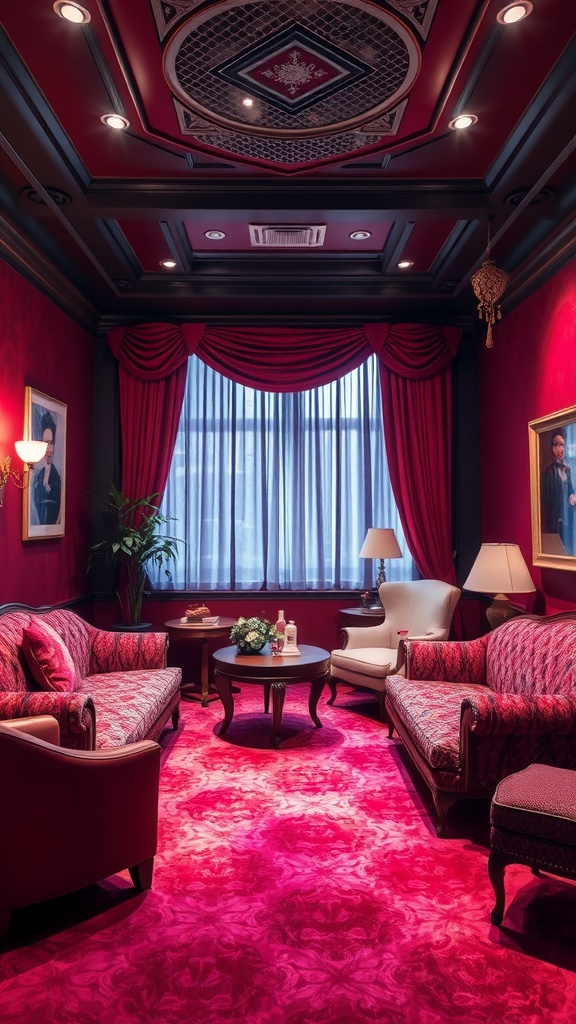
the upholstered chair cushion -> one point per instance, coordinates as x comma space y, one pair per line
539, 801
48, 658
365, 666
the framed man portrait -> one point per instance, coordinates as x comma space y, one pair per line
552, 442
45, 487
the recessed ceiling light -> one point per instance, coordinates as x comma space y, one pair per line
214, 236
247, 102
514, 12
169, 264
359, 236
72, 12
463, 121
404, 264
115, 121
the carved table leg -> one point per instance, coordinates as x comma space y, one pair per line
278, 695
333, 691
267, 685
315, 690
224, 688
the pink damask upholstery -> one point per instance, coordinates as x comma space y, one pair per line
124, 690
48, 658
471, 713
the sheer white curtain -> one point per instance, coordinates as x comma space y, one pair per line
276, 491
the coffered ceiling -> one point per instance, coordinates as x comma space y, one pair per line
285, 156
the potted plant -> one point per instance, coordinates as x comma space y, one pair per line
133, 542
251, 635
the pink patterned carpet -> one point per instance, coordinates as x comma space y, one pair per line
298, 886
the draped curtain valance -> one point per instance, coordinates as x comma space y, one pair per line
414, 363
282, 359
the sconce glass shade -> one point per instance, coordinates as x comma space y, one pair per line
500, 569
31, 451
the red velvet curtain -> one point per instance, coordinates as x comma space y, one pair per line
415, 375
416, 388
152, 377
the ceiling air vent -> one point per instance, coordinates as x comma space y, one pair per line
287, 236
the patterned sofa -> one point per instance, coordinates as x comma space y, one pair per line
470, 713
105, 689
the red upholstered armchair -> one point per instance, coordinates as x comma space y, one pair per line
109, 797
471, 713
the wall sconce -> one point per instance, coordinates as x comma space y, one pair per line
30, 452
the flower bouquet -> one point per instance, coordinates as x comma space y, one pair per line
251, 635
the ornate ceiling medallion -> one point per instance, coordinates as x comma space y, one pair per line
313, 70
293, 69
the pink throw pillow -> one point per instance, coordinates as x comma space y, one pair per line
48, 657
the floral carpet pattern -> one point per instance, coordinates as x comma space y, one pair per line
304, 885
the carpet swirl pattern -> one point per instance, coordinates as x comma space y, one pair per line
304, 885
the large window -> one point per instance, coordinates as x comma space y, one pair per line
276, 491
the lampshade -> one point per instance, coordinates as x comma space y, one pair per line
31, 451
380, 542
499, 569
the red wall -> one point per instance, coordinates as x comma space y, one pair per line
530, 373
42, 347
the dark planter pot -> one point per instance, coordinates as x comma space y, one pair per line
249, 650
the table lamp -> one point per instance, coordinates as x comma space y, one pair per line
380, 543
500, 569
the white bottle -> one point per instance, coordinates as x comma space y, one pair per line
291, 634
281, 623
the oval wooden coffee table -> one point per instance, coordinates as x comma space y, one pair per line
275, 673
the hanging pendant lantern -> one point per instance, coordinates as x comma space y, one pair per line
489, 284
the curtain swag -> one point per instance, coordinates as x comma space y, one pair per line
414, 361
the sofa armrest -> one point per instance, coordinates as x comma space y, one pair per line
126, 652
74, 712
451, 661
500, 714
43, 727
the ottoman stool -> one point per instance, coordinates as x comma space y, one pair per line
533, 821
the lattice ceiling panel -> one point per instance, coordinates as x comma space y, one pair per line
319, 70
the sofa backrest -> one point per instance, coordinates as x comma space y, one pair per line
533, 654
75, 632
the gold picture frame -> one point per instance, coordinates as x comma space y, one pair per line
552, 494
44, 495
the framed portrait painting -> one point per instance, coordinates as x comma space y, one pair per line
45, 490
552, 489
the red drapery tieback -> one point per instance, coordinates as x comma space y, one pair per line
414, 363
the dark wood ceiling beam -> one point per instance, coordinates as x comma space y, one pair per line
172, 198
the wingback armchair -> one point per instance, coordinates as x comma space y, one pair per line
423, 609
69, 817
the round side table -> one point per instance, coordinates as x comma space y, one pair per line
200, 632
361, 617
